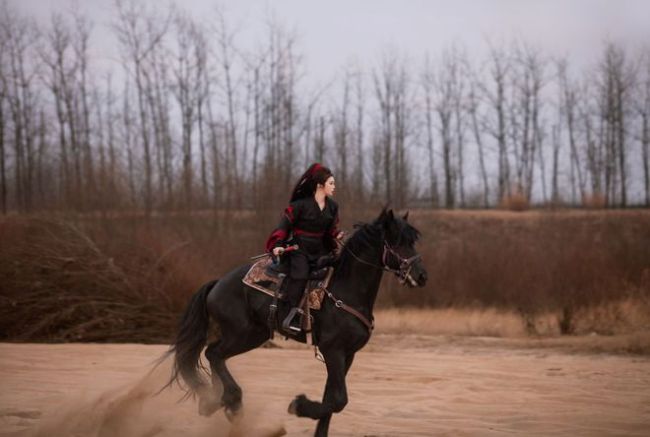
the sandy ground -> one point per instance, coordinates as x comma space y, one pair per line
418, 386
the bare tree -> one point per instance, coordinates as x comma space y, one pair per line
359, 135
615, 80
139, 32
81, 41
188, 88
497, 125
226, 55
526, 107
341, 137
446, 85
555, 187
21, 36
427, 85
643, 109
474, 109
3, 98
127, 140
569, 106
392, 90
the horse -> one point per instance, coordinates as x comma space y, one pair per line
342, 326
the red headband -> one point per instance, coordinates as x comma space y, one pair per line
315, 168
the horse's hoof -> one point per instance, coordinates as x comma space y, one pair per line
208, 405
232, 412
293, 406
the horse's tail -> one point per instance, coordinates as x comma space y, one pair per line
190, 340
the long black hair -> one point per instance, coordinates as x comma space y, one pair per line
306, 185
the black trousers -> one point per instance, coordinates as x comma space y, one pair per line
298, 275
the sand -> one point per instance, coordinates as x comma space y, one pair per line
418, 386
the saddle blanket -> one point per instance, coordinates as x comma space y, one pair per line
260, 278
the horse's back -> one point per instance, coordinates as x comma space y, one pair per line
227, 295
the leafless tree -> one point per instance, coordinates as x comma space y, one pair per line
392, 90
20, 37
615, 81
189, 73
496, 125
80, 44
226, 57
359, 136
341, 135
139, 32
569, 107
477, 120
427, 86
445, 84
643, 110
527, 83
3, 100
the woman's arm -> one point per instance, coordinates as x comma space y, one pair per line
334, 232
279, 236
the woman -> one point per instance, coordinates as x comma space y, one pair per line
310, 221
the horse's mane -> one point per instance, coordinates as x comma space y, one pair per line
366, 235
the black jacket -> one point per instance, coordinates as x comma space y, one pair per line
304, 223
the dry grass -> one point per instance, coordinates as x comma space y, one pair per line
531, 262
594, 201
488, 322
517, 201
496, 273
613, 318
619, 327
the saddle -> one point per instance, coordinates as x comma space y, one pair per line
267, 277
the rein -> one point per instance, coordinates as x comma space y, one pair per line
405, 264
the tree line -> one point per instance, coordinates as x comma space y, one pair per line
189, 119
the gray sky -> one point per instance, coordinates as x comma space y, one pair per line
334, 32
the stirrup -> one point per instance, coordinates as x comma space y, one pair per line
287, 325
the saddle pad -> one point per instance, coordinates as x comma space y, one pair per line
258, 278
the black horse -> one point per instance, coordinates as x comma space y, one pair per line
342, 326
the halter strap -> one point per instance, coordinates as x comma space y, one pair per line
338, 303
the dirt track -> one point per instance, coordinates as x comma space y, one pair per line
420, 387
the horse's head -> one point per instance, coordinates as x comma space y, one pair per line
400, 255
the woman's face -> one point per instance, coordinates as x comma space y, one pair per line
329, 186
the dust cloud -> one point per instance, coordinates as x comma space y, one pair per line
140, 409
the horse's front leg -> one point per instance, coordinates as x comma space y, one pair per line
335, 397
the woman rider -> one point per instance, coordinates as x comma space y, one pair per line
310, 221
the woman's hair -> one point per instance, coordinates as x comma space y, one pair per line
306, 186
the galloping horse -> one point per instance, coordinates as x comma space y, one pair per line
342, 326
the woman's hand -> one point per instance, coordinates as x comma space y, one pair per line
277, 251
339, 237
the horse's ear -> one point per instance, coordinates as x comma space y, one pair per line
388, 219
406, 216
383, 216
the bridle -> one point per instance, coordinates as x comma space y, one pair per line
403, 272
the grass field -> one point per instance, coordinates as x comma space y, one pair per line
497, 273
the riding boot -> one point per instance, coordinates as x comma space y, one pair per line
294, 292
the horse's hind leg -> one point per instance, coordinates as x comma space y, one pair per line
217, 353
210, 398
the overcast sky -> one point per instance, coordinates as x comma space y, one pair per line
332, 33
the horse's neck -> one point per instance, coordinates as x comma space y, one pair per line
362, 284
